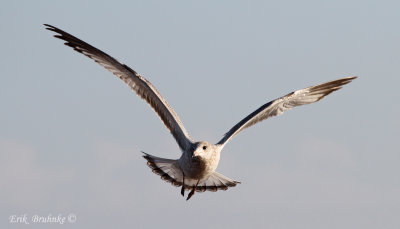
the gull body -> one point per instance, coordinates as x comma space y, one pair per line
195, 170
200, 161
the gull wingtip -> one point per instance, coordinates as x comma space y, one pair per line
48, 26
352, 77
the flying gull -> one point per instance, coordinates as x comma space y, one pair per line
195, 169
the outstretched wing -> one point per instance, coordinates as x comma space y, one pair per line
136, 82
278, 106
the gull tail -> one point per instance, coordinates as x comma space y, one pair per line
212, 183
215, 182
170, 171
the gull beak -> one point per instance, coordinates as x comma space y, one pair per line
196, 153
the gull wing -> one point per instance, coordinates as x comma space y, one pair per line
278, 106
136, 82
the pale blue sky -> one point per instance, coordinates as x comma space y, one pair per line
71, 133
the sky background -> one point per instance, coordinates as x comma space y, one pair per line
71, 133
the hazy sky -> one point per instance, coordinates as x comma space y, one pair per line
71, 133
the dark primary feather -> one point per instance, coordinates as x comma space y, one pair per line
276, 107
136, 82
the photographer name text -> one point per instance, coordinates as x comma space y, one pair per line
39, 219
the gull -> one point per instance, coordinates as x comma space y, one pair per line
195, 170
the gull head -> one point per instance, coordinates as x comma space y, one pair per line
203, 149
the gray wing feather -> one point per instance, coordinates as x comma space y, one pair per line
276, 107
136, 82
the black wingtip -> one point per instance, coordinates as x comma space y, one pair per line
50, 27
145, 156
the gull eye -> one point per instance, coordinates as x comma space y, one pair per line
204, 147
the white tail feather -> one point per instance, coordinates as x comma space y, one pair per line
170, 171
